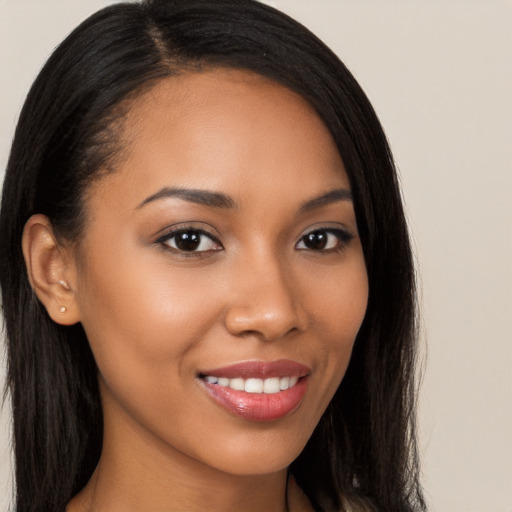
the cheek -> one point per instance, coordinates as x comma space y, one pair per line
337, 300
337, 310
141, 318
145, 324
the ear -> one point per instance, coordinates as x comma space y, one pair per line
51, 270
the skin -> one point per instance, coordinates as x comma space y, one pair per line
155, 316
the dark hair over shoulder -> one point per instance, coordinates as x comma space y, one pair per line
364, 448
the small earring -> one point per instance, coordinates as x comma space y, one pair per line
63, 309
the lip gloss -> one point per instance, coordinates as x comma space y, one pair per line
260, 407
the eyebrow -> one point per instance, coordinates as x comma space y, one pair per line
220, 200
203, 197
340, 194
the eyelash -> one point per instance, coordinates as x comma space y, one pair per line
200, 233
343, 237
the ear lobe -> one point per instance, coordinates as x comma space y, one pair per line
49, 268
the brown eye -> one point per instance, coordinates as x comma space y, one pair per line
324, 239
316, 241
190, 240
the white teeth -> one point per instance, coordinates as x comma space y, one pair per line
271, 385
284, 383
267, 386
253, 385
238, 384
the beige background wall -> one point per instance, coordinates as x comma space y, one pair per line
440, 76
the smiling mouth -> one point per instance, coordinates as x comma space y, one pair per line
268, 386
258, 390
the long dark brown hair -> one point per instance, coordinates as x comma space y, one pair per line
364, 447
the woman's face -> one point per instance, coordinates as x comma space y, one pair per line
221, 280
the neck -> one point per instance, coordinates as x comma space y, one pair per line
138, 472
116, 492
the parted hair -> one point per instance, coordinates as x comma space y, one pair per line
364, 449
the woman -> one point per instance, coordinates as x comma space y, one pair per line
207, 282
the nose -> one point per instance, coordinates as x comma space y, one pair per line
264, 301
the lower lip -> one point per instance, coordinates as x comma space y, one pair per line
258, 406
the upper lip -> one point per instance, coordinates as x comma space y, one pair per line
259, 370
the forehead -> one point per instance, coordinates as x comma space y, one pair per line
226, 130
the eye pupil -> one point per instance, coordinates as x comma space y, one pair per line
188, 241
317, 240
